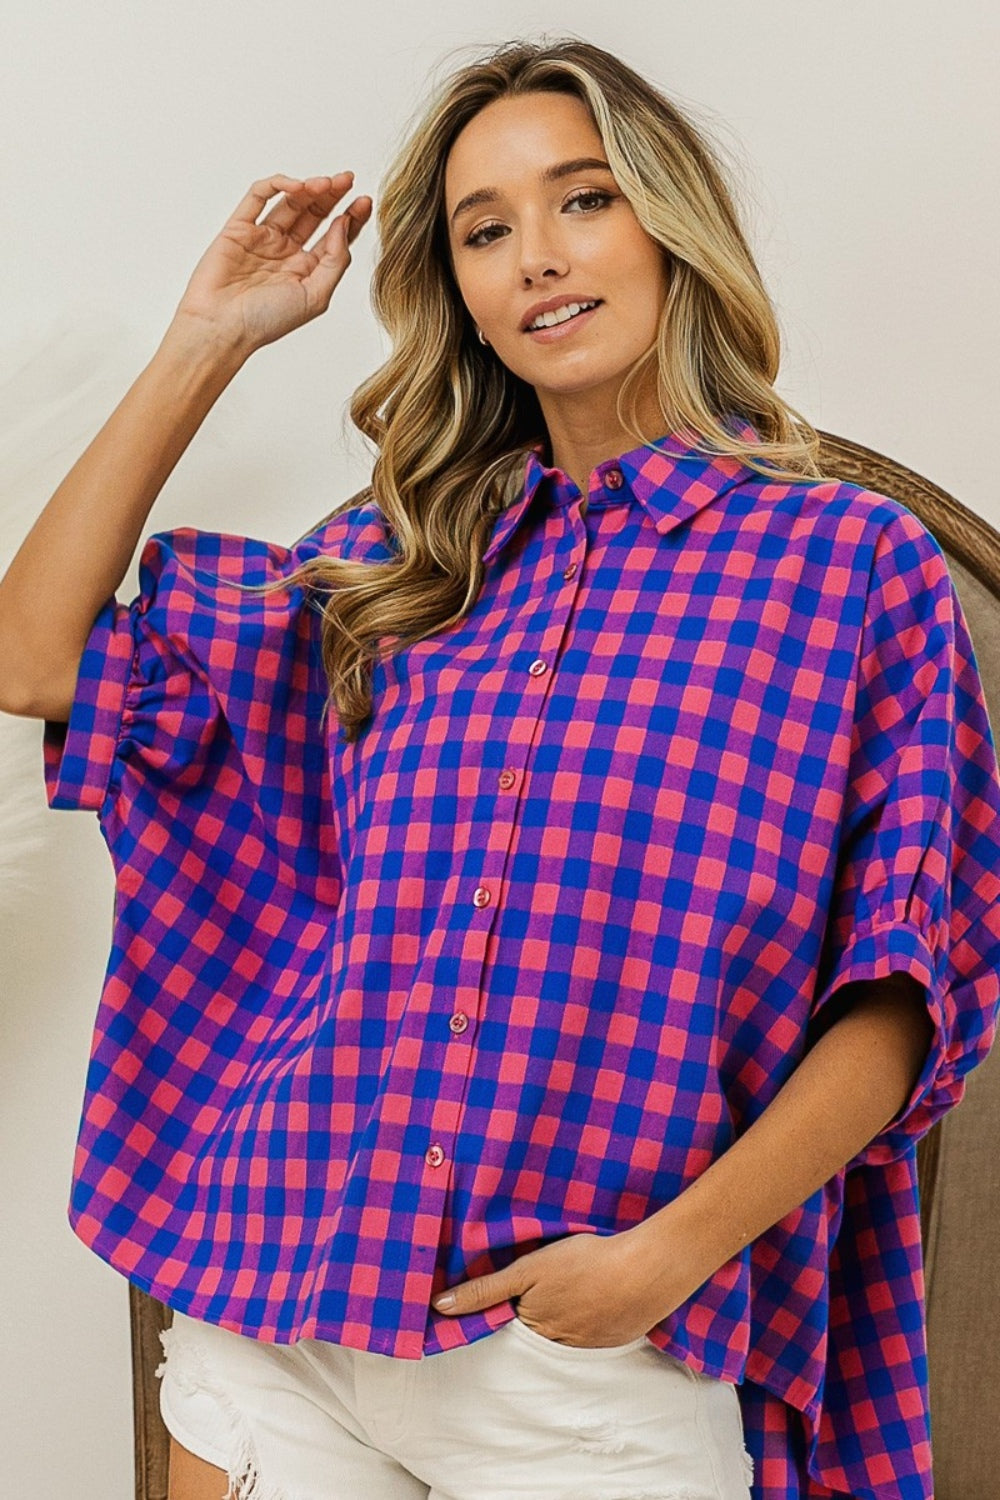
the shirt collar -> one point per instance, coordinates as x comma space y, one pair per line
670, 479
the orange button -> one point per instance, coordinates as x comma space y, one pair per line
614, 479
507, 779
481, 896
434, 1156
568, 572
459, 1022
537, 668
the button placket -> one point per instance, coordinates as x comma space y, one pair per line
445, 1122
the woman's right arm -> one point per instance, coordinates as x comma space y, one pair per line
77, 552
254, 284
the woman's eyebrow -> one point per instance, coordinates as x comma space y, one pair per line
550, 174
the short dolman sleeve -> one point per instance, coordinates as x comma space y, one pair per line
918, 872
197, 735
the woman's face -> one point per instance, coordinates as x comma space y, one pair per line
569, 238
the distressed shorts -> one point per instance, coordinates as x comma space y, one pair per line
512, 1415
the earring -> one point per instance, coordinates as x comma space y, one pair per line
481, 339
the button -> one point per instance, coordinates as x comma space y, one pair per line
537, 668
434, 1156
481, 896
568, 572
459, 1022
507, 779
614, 479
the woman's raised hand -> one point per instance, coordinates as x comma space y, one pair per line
256, 281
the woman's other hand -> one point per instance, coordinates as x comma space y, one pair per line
587, 1290
256, 281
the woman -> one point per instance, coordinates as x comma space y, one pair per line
566, 878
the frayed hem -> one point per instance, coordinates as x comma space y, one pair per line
191, 1373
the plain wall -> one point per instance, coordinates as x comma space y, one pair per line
863, 137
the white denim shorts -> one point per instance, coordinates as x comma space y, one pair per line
512, 1415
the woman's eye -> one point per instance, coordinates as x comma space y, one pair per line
589, 193
476, 238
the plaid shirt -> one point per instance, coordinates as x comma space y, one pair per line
528, 956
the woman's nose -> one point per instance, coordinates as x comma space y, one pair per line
541, 256
542, 270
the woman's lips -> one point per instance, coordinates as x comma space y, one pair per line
562, 330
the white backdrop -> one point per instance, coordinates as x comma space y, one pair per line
864, 138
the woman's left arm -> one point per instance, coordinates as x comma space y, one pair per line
853, 1081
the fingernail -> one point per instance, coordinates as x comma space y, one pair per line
447, 1299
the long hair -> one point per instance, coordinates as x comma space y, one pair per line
453, 426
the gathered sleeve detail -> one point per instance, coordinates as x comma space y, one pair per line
78, 755
193, 650
159, 676
197, 728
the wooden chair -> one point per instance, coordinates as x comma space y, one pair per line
957, 1161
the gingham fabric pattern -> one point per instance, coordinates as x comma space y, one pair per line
527, 957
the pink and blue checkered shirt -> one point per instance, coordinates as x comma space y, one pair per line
527, 957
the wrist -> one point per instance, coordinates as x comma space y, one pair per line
197, 344
674, 1252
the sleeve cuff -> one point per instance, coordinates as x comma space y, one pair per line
78, 756
874, 951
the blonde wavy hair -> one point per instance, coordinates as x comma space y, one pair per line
453, 426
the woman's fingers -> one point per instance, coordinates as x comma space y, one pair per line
337, 238
330, 249
299, 213
305, 204
262, 190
